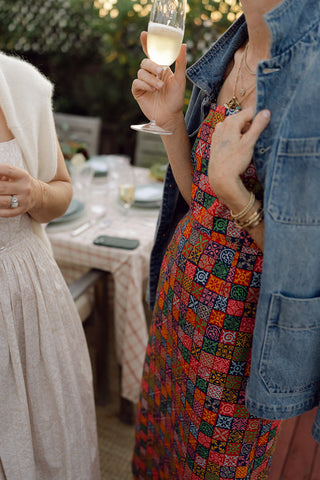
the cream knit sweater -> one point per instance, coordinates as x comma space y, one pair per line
26, 101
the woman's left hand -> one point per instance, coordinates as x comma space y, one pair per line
15, 181
232, 147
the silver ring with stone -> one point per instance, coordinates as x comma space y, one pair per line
14, 202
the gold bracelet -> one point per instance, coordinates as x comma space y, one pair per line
247, 208
254, 219
259, 219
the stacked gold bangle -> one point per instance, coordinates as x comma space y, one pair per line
253, 220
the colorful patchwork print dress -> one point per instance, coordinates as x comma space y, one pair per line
192, 420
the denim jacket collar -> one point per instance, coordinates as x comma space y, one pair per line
209, 70
289, 21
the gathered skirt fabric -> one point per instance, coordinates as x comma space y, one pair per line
192, 421
47, 411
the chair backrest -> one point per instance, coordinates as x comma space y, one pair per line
149, 150
79, 129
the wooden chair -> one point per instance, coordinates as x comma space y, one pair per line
149, 150
79, 290
79, 129
99, 312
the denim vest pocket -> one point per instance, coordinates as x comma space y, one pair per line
295, 182
291, 352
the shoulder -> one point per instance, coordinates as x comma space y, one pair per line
23, 75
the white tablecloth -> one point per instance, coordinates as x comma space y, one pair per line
129, 269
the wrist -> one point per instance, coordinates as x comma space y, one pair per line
38, 194
174, 122
234, 194
251, 215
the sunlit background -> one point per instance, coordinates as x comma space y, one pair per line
90, 49
213, 11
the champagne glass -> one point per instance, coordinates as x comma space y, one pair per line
165, 34
126, 187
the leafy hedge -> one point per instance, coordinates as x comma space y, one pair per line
91, 51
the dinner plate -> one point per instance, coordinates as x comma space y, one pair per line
149, 193
74, 211
99, 163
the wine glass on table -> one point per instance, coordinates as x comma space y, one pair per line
126, 186
165, 35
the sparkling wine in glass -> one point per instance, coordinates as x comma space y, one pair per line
126, 194
165, 35
126, 187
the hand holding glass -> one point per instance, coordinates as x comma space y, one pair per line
165, 35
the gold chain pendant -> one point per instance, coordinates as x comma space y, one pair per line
233, 104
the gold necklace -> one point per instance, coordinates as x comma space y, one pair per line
245, 61
234, 103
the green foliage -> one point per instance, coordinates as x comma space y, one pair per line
47, 27
91, 51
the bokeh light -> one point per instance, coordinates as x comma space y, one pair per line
212, 10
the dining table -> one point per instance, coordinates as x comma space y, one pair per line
129, 268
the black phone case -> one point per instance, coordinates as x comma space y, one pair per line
116, 242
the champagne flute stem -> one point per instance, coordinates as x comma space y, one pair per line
156, 101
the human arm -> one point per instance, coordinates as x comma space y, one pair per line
171, 91
232, 147
42, 201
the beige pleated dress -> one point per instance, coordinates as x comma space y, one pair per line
47, 414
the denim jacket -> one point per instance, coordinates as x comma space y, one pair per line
285, 372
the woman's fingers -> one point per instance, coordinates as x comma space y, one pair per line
143, 40
5, 201
150, 73
9, 175
239, 122
181, 64
257, 126
243, 126
18, 183
151, 67
139, 86
9, 207
9, 172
